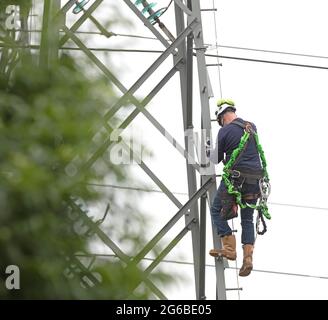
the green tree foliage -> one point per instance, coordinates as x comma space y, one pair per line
47, 120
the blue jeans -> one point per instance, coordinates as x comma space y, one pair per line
247, 224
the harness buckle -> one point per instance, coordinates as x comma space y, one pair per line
235, 174
265, 188
249, 128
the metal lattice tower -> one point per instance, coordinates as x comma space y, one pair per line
186, 50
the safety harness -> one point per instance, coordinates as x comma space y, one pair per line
230, 174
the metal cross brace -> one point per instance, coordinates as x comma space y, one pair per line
193, 29
111, 244
129, 93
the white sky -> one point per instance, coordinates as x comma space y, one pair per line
288, 105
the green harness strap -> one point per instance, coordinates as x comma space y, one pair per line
262, 206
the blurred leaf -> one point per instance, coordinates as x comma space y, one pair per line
48, 122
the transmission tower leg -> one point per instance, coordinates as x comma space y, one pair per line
209, 171
50, 33
25, 36
186, 84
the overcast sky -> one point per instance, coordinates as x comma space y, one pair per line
289, 106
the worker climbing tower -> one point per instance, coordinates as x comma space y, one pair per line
183, 46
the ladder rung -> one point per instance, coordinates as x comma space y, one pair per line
234, 289
213, 9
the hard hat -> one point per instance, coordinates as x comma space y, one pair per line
223, 105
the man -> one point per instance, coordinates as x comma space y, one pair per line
246, 172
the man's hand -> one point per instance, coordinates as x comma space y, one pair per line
208, 148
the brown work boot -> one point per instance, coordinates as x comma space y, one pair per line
228, 248
247, 266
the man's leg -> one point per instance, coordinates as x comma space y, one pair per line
222, 226
247, 224
223, 229
247, 234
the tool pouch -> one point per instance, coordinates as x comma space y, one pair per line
229, 206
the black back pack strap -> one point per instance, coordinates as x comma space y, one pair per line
244, 124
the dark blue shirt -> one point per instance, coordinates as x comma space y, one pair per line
228, 140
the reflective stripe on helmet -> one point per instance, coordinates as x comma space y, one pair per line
223, 105
221, 102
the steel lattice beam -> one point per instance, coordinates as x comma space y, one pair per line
188, 25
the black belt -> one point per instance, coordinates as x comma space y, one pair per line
249, 174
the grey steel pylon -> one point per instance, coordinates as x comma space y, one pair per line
188, 25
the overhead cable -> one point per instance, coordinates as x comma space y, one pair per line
294, 274
271, 51
269, 61
217, 51
186, 194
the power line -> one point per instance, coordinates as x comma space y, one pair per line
217, 51
112, 50
186, 194
272, 51
287, 273
214, 47
133, 36
297, 206
221, 94
133, 188
99, 33
208, 55
213, 266
37, 47
269, 61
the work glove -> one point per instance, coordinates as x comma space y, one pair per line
208, 148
